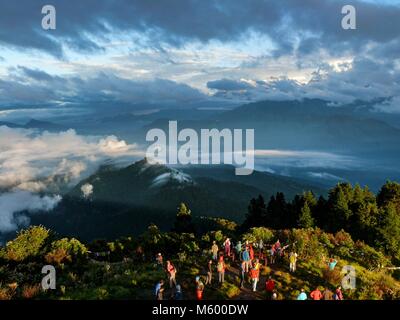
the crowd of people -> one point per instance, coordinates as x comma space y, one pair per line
250, 257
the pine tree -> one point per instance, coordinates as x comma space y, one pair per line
183, 221
256, 213
305, 219
389, 231
278, 215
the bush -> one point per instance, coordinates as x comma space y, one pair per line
58, 256
230, 290
29, 243
30, 292
333, 277
307, 243
369, 257
257, 234
72, 247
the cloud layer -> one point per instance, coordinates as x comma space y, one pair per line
45, 161
15, 207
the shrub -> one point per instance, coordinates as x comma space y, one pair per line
260, 233
369, 257
333, 277
230, 290
29, 243
58, 256
72, 247
30, 292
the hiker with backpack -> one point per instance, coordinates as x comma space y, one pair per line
159, 290
171, 271
221, 270
316, 294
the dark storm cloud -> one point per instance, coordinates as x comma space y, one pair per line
228, 85
36, 74
316, 23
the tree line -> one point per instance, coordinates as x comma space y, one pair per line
372, 218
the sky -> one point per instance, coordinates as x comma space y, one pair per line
179, 53
188, 51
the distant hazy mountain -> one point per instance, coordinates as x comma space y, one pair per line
35, 124
314, 124
127, 200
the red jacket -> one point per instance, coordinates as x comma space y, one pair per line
316, 295
270, 285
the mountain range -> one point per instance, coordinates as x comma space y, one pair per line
126, 200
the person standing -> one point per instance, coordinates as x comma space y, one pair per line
251, 252
242, 274
214, 251
238, 248
159, 290
199, 288
227, 245
332, 264
338, 293
246, 259
209, 272
159, 260
292, 261
254, 275
221, 270
316, 294
171, 274
328, 294
302, 295
178, 292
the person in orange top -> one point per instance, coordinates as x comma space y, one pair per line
221, 269
316, 294
199, 288
254, 275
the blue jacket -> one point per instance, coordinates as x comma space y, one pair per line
246, 256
